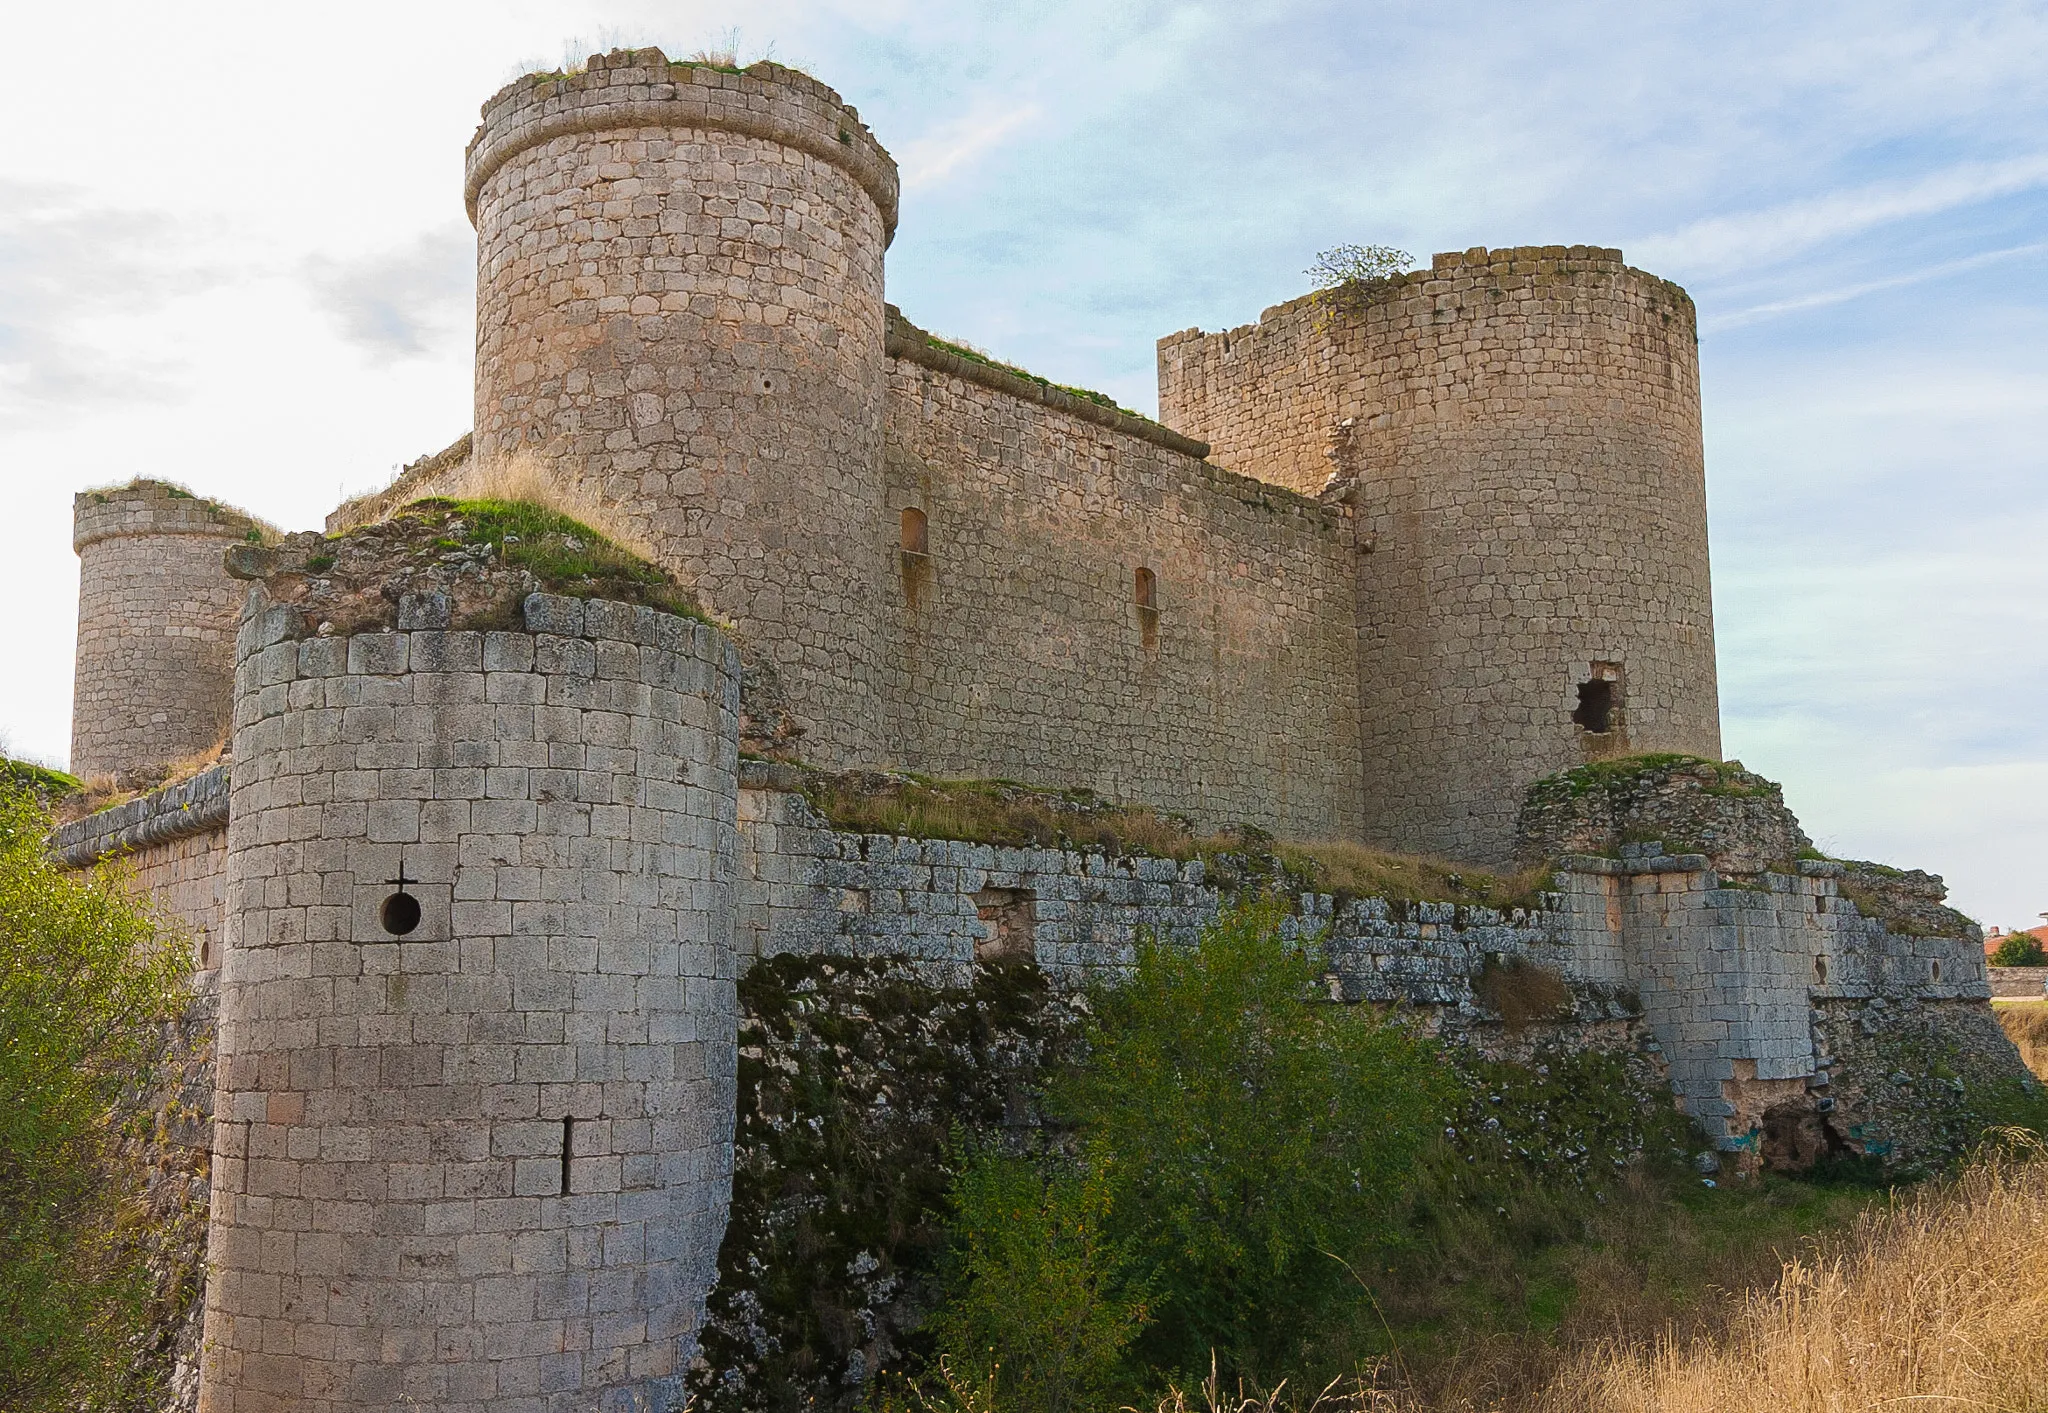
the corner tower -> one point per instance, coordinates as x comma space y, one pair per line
474, 1079
679, 306
1520, 432
154, 672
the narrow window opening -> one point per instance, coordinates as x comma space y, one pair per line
1934, 971
1596, 707
1145, 591
1010, 931
400, 914
917, 557
568, 1138
1820, 970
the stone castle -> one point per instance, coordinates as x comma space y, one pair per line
471, 900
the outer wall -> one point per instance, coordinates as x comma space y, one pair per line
389, 1226
1526, 435
687, 314
156, 626
1021, 649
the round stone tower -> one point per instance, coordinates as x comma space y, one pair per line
1524, 429
154, 671
679, 306
476, 1055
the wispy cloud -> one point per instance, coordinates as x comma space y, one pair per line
1753, 238
949, 150
403, 302
1845, 293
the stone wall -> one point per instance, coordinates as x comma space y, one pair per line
679, 308
473, 1135
2018, 982
156, 626
171, 846
1024, 647
1520, 432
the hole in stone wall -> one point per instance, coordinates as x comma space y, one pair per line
1596, 707
400, 914
1147, 588
916, 532
1011, 920
1934, 971
568, 1138
1820, 970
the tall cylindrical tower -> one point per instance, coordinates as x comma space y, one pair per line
473, 1141
154, 671
1524, 426
679, 305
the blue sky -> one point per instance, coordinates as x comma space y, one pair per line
232, 253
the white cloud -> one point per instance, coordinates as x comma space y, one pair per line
951, 149
1753, 238
404, 302
1821, 299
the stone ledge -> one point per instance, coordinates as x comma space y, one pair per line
195, 806
904, 340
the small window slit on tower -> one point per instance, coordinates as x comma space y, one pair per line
568, 1138
916, 555
1596, 707
1145, 592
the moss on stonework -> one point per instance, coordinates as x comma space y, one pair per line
40, 779
975, 355
856, 1080
1728, 777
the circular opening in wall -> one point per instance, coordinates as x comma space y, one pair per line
400, 914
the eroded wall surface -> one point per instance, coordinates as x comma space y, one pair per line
1023, 647
1519, 430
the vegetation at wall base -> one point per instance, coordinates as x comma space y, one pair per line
87, 985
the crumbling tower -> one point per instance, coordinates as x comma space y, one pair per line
679, 305
156, 625
1520, 433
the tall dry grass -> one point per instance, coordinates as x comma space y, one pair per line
2026, 1025
1939, 1300
523, 477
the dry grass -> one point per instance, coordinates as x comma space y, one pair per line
2026, 1023
1940, 1299
1355, 869
523, 477
103, 792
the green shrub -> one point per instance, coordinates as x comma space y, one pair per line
86, 984
1045, 1305
1252, 1138
2018, 949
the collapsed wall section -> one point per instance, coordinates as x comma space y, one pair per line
476, 1051
1520, 433
156, 625
1082, 605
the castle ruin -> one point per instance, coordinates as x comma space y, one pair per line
472, 899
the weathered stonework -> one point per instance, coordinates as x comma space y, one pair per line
1519, 431
476, 1152
156, 626
476, 1051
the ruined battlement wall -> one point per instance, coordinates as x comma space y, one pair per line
156, 625
1520, 433
679, 310
1023, 642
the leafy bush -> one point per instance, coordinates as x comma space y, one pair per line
86, 983
1357, 264
1044, 1300
1242, 1142
2018, 949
